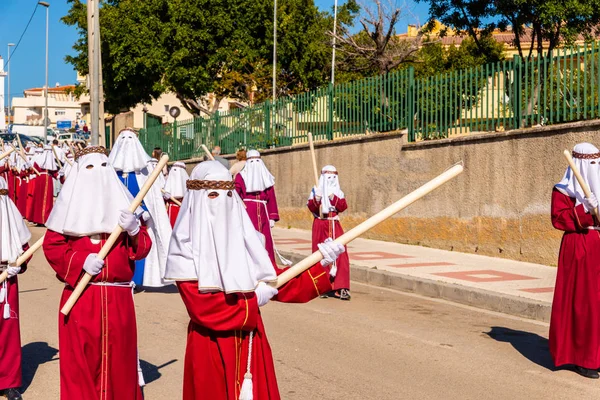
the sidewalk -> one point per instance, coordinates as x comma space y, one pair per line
507, 286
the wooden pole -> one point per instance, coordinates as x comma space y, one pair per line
6, 153
24, 257
173, 199
56, 156
26, 160
311, 145
582, 183
72, 149
208, 153
375, 220
112, 239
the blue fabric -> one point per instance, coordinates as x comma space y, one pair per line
131, 183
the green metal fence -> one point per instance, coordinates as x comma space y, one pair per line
562, 87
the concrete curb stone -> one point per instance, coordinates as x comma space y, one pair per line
488, 300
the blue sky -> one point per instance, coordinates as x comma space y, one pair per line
28, 63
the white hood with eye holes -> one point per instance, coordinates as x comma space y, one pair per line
91, 200
127, 154
255, 173
329, 183
214, 240
589, 167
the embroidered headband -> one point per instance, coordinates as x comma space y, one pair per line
193, 184
586, 156
90, 150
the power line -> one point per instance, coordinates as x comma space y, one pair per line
22, 34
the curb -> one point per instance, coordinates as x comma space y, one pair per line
492, 301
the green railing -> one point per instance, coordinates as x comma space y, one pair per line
562, 87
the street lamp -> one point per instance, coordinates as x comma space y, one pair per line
8, 78
47, 5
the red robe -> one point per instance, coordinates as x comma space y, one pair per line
261, 207
30, 198
10, 336
575, 319
331, 228
173, 210
98, 339
22, 196
43, 196
217, 345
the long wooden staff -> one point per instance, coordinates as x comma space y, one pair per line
24, 257
208, 153
20, 152
582, 183
56, 156
369, 224
6, 153
311, 145
85, 280
173, 199
72, 149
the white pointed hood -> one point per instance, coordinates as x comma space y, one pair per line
91, 200
587, 159
256, 174
127, 154
176, 182
214, 241
14, 231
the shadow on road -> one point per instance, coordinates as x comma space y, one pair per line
531, 346
151, 371
34, 355
165, 289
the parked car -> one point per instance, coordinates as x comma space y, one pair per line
30, 130
65, 137
10, 137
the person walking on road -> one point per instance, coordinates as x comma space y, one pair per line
575, 319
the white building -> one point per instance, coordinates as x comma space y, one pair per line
63, 105
2, 102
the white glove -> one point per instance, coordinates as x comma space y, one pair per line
264, 293
129, 222
318, 193
93, 265
13, 271
590, 203
331, 251
272, 223
167, 195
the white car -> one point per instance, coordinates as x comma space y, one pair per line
65, 137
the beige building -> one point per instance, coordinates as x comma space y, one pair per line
63, 105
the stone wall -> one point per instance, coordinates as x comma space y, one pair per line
500, 205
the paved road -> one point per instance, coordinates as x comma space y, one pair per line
381, 345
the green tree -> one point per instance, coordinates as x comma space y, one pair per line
196, 47
554, 21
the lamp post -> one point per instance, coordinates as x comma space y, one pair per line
47, 5
8, 78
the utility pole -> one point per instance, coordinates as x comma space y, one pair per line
335, 7
93, 67
274, 51
46, 116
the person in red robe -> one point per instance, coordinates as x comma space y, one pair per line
43, 192
222, 270
98, 339
326, 202
14, 240
175, 188
575, 318
255, 185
